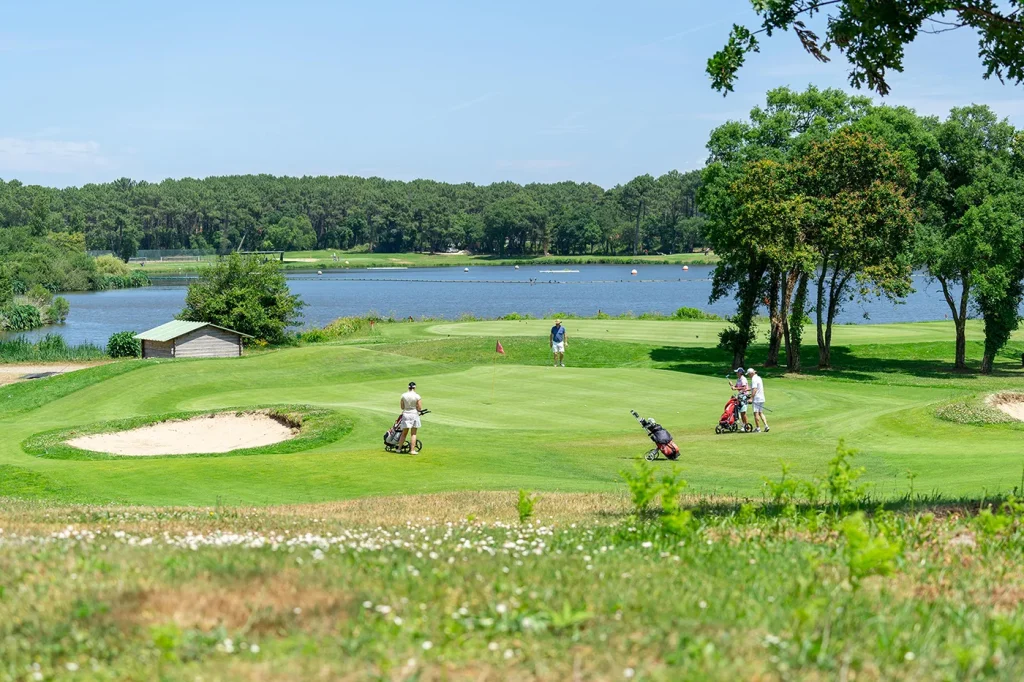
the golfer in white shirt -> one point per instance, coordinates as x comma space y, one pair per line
412, 405
757, 399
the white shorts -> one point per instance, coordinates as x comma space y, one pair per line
558, 347
758, 407
410, 421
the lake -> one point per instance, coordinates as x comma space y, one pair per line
487, 291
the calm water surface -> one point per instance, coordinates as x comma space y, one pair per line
488, 291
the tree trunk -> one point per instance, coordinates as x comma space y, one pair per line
747, 300
794, 324
835, 295
775, 315
823, 355
987, 362
959, 320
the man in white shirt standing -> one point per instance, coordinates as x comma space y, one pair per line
412, 405
757, 399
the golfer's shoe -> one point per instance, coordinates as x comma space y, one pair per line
562, 365
766, 429
757, 430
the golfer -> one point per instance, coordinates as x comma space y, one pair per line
557, 339
743, 388
412, 405
757, 399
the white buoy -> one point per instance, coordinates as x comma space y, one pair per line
465, 269
319, 272
633, 272
517, 267
686, 267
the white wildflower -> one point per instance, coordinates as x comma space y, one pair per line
428, 645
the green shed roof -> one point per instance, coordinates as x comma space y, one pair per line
176, 328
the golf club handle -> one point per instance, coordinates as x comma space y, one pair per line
424, 412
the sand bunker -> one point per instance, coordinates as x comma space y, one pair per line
1009, 403
213, 433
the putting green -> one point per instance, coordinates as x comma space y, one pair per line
501, 426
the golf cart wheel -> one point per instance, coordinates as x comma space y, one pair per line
651, 455
734, 427
748, 427
718, 429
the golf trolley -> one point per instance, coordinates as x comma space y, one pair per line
394, 435
730, 421
661, 438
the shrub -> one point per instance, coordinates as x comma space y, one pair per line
516, 316
52, 345
39, 295
246, 295
111, 265
57, 312
867, 553
686, 313
524, 506
124, 345
133, 280
20, 317
842, 478
313, 336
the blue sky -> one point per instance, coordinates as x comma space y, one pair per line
455, 91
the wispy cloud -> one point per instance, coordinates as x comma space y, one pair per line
19, 45
567, 126
681, 34
535, 164
471, 102
49, 156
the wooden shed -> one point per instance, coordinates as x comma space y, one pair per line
183, 339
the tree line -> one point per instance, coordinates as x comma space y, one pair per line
253, 212
822, 197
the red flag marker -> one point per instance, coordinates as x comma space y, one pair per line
499, 349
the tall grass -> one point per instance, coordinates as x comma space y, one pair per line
50, 348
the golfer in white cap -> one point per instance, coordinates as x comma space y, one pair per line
743, 388
557, 340
757, 399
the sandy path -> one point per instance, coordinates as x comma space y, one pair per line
10, 374
218, 433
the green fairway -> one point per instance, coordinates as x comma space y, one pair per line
514, 421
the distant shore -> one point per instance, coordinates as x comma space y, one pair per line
325, 260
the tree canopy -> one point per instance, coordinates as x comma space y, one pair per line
873, 35
343, 212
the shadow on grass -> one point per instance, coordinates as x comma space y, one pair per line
717, 506
857, 363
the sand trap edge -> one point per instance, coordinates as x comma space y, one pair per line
1009, 403
217, 433
318, 426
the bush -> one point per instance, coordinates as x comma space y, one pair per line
132, 280
20, 317
52, 345
685, 313
57, 312
124, 345
246, 295
111, 265
39, 295
516, 316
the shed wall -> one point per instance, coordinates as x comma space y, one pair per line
157, 349
208, 342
